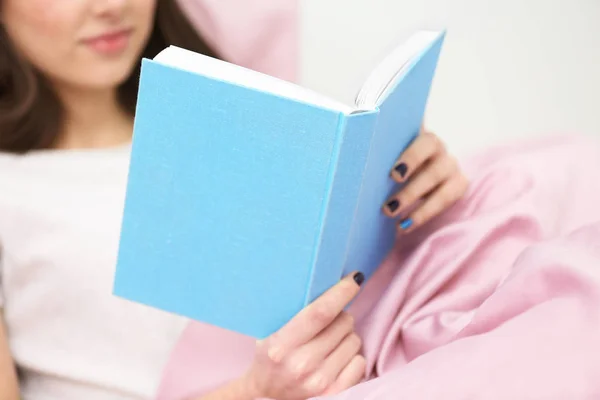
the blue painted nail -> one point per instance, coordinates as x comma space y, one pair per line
407, 223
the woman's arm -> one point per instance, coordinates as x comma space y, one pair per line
8, 376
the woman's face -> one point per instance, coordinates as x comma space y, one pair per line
91, 44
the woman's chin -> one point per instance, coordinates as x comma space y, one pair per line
103, 78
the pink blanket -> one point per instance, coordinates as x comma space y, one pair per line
498, 299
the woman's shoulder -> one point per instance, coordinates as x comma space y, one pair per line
37, 170
6, 157
32, 180
7, 162
58, 161
10, 163
11, 186
12, 178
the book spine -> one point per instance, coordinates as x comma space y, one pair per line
348, 163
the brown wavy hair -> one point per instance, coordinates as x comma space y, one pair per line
31, 114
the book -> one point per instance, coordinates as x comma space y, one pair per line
249, 196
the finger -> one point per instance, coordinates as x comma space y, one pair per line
311, 355
350, 376
426, 180
314, 318
424, 147
334, 364
436, 202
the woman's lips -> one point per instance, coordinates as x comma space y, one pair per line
111, 43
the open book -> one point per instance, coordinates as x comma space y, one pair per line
373, 91
249, 196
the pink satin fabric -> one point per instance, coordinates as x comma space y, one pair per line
258, 34
497, 299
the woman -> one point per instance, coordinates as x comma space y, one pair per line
67, 94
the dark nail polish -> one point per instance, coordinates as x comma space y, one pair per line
359, 278
402, 169
407, 223
393, 205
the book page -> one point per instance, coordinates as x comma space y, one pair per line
217, 69
391, 68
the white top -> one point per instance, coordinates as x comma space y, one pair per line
72, 339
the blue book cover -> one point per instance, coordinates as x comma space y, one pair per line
248, 197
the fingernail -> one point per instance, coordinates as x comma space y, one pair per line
300, 368
402, 169
275, 354
315, 381
359, 278
393, 205
407, 223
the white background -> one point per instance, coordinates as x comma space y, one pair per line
509, 68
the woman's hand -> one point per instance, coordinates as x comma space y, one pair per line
316, 353
432, 178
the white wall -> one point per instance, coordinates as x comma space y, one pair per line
510, 68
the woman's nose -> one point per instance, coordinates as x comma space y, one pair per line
110, 8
